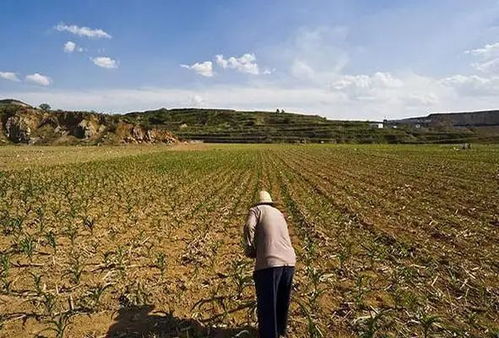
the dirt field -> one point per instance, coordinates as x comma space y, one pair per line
145, 241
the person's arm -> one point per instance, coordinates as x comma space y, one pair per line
249, 234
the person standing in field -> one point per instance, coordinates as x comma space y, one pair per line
266, 239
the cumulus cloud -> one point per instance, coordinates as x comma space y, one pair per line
105, 62
245, 63
365, 85
489, 58
302, 70
317, 54
490, 66
196, 101
83, 31
11, 76
487, 51
70, 47
308, 99
202, 68
39, 79
472, 85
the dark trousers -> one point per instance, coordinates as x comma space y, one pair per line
273, 291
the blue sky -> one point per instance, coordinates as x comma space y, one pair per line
340, 59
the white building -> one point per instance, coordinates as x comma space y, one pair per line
376, 125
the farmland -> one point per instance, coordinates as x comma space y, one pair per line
145, 240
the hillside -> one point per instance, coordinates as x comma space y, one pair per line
485, 118
483, 124
217, 125
21, 123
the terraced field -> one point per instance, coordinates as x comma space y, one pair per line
145, 241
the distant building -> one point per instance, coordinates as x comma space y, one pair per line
376, 125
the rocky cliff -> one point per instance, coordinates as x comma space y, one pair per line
21, 123
488, 118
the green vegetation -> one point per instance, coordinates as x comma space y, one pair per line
230, 126
45, 107
23, 124
392, 240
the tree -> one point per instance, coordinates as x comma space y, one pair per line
45, 106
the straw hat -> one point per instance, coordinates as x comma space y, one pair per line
264, 197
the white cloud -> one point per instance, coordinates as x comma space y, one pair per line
245, 64
39, 79
490, 66
365, 86
489, 56
487, 51
379, 79
9, 76
202, 68
316, 83
314, 56
83, 31
472, 85
69, 47
413, 100
302, 70
105, 62
196, 101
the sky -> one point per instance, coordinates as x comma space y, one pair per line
351, 59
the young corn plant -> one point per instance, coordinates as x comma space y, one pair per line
94, 295
4, 265
51, 240
428, 322
313, 328
317, 278
27, 246
75, 270
135, 295
59, 324
49, 301
40, 213
240, 276
72, 232
37, 280
344, 255
89, 223
160, 263
13, 226
5, 284
360, 290
121, 259
372, 324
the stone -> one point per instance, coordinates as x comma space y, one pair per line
85, 129
17, 129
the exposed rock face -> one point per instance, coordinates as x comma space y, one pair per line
159, 136
137, 133
18, 128
133, 133
85, 129
20, 124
